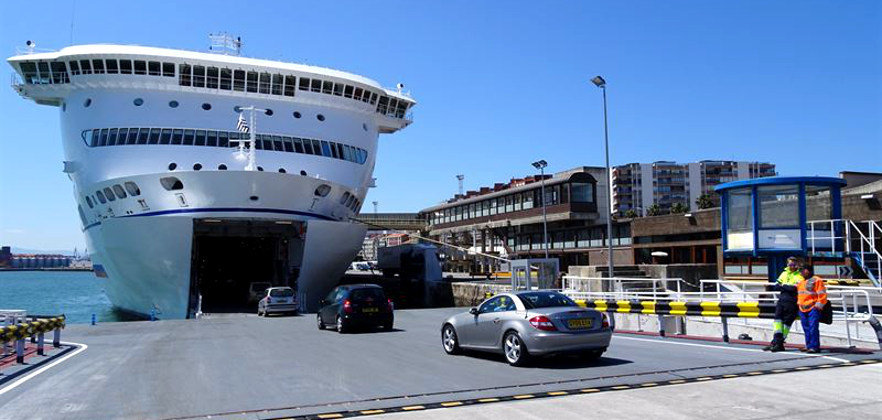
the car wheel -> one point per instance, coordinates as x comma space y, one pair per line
318, 321
259, 313
449, 340
387, 326
514, 349
340, 327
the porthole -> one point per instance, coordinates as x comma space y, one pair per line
118, 190
282, 171
268, 112
364, 126
320, 117
138, 102
345, 197
303, 173
171, 183
253, 198
296, 114
260, 168
322, 190
222, 167
206, 106
109, 194
132, 188
101, 197
237, 109
197, 167
173, 104
87, 103
172, 166
89, 202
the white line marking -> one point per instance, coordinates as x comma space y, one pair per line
10, 387
730, 348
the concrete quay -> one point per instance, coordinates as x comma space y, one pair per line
242, 366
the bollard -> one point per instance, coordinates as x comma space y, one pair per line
725, 322
40, 344
19, 350
93, 319
661, 325
56, 338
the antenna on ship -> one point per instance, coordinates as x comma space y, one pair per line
224, 43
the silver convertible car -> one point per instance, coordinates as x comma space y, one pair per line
524, 324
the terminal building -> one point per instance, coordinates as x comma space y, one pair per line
655, 188
506, 220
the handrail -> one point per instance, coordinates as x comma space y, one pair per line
872, 250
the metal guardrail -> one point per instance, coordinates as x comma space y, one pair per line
35, 329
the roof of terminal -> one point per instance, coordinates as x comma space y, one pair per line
782, 180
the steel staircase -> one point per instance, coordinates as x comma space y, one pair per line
863, 239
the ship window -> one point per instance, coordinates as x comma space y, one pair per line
140, 67
98, 66
350, 201
277, 144
133, 189
289, 147
348, 91
177, 136
123, 132
334, 150
260, 168
144, 134
74, 69
338, 89
282, 171
100, 196
264, 84
223, 139
212, 80
277, 84
339, 150
112, 67
173, 104
298, 146
364, 126
347, 153
326, 150
184, 75
89, 202
155, 69
138, 102
125, 66
198, 76
307, 146
29, 71
200, 138
268, 112
320, 117
197, 167
290, 81
206, 106
296, 114
189, 136
87, 102
381, 106
168, 69
393, 103
210, 138
171, 183
345, 197
222, 167
103, 141
316, 85
119, 191
133, 136
96, 134
86, 66
317, 147
154, 135
44, 76
109, 194
366, 97
239, 80
302, 173
358, 92
327, 87
226, 78
304, 83
165, 138
59, 72
266, 143
252, 81
373, 99
322, 190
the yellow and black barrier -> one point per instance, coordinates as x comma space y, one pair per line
33, 329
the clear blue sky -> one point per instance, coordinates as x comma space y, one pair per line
501, 84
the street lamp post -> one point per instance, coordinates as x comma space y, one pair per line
599, 82
540, 165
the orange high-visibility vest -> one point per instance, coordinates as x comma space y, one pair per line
811, 291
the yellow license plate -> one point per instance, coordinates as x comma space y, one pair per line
579, 324
366, 310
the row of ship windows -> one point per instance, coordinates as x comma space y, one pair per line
112, 193
55, 72
193, 137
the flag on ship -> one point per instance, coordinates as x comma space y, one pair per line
242, 125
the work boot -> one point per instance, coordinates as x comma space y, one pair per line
803, 349
776, 347
813, 351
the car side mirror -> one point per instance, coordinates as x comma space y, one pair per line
473, 311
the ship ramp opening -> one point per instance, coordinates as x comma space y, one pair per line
234, 260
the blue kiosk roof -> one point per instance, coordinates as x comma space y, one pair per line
782, 180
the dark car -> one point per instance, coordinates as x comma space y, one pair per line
355, 306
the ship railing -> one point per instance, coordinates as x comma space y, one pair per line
31, 50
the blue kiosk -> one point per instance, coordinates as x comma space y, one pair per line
770, 218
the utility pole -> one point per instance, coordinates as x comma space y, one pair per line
459, 178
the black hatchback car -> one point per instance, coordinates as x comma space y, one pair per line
355, 305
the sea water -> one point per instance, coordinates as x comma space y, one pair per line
76, 294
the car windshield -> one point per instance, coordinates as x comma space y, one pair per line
281, 293
534, 300
361, 295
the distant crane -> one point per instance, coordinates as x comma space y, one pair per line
375, 207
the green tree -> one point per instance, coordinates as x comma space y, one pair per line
653, 210
704, 201
679, 208
631, 214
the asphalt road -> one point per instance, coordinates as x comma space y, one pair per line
243, 366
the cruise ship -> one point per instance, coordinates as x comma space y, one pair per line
196, 175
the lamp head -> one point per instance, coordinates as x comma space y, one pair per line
540, 164
598, 81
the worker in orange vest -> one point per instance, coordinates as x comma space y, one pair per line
811, 298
